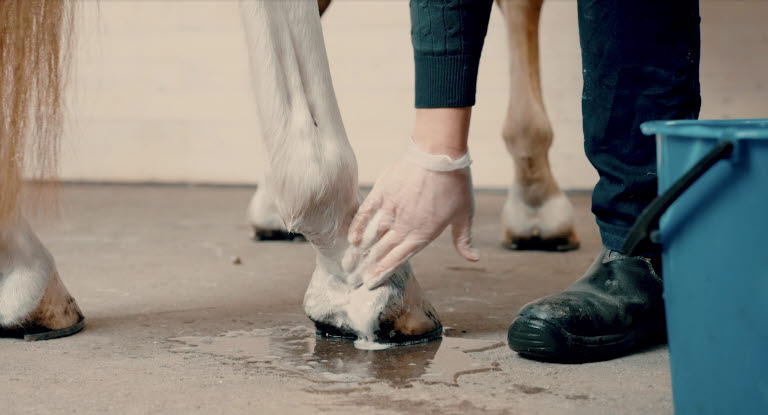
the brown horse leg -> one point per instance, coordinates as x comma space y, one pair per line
536, 215
35, 43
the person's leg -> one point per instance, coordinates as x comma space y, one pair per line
640, 63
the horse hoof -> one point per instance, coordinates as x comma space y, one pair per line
56, 316
32, 334
333, 332
386, 335
276, 235
400, 339
404, 316
564, 243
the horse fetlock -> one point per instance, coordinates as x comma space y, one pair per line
527, 129
528, 144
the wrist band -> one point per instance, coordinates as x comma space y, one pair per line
435, 162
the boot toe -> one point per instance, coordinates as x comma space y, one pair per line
577, 313
614, 307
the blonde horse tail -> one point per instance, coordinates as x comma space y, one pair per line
35, 46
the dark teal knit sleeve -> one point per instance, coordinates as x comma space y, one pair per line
447, 37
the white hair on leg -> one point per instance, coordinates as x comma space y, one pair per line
536, 214
25, 270
551, 219
312, 172
312, 169
262, 210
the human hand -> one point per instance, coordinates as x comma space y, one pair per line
408, 207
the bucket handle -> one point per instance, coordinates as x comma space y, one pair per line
641, 230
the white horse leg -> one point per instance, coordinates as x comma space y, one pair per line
262, 210
537, 215
33, 301
265, 219
313, 175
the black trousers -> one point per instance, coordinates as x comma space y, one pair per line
640, 62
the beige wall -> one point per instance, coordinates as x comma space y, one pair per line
161, 91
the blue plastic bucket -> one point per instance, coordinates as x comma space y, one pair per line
714, 238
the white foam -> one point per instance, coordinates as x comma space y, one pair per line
365, 344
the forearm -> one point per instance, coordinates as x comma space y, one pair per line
442, 130
447, 38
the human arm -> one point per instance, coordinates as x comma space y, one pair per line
431, 187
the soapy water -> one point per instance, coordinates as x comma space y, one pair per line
365, 344
297, 351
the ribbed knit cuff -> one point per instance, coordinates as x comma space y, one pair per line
445, 81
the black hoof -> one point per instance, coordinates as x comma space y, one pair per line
327, 330
399, 339
535, 243
276, 235
35, 333
382, 336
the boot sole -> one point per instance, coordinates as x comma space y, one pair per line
539, 339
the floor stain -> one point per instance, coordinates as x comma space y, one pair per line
579, 397
337, 365
530, 390
468, 269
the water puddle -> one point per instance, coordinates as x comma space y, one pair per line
337, 361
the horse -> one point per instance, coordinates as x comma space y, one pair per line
310, 185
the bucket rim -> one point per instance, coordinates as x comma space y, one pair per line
738, 129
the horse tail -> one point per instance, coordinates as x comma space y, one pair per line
35, 48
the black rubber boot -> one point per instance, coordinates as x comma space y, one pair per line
614, 308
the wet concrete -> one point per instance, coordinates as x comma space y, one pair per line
187, 314
296, 350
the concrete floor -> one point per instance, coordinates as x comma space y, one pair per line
152, 268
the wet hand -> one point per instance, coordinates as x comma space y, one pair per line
409, 207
